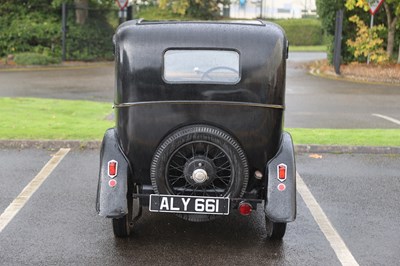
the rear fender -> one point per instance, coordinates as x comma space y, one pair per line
111, 200
280, 206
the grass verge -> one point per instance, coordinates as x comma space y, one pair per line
42, 119
346, 137
31, 118
315, 48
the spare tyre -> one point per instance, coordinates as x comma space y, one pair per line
199, 160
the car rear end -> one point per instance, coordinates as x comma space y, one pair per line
199, 118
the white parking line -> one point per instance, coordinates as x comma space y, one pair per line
19, 202
342, 252
388, 118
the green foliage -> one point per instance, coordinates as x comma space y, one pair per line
326, 10
34, 26
92, 3
177, 6
351, 4
392, 10
198, 9
35, 59
91, 41
367, 42
302, 31
205, 9
157, 13
28, 28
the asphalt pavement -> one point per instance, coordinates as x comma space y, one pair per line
311, 101
347, 208
59, 225
318, 102
93, 82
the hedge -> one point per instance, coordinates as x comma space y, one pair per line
302, 32
35, 59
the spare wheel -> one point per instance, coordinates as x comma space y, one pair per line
199, 160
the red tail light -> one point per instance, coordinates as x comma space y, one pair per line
112, 183
112, 168
245, 208
282, 172
281, 187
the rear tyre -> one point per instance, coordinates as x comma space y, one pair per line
123, 226
275, 231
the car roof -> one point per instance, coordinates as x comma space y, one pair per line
240, 22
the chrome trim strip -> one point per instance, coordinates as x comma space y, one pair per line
259, 105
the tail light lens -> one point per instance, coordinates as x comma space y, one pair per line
282, 172
112, 168
245, 208
281, 187
112, 183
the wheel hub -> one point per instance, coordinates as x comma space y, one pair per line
199, 176
199, 171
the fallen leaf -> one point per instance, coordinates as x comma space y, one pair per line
315, 156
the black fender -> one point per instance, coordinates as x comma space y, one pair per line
280, 205
111, 200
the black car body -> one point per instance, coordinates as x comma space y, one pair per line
199, 124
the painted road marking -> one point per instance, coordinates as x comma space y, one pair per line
388, 118
339, 247
19, 202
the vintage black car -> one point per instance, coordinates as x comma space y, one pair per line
199, 124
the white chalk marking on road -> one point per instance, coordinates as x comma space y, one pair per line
19, 202
388, 118
339, 247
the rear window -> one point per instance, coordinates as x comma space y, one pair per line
201, 66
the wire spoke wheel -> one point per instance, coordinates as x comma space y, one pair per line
199, 155
199, 160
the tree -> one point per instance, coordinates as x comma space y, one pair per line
367, 43
81, 11
34, 26
82, 7
392, 10
195, 8
177, 6
27, 24
326, 10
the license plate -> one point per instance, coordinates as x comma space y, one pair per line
189, 204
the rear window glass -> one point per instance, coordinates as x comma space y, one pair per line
201, 66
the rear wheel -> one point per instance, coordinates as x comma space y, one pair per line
275, 231
123, 227
199, 160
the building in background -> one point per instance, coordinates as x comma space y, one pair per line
275, 9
